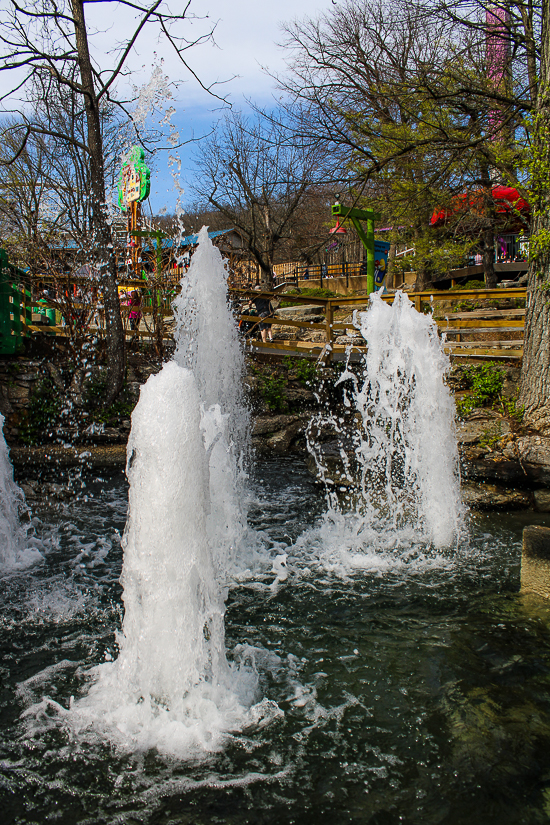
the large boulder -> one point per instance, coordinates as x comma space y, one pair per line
533, 454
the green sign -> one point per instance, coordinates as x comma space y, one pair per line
134, 181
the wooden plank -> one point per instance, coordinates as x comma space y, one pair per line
518, 343
484, 313
284, 322
485, 353
477, 323
473, 351
459, 294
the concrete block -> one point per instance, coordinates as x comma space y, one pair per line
535, 561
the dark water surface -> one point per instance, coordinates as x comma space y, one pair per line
420, 695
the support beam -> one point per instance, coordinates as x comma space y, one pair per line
367, 239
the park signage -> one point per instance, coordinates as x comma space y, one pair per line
134, 181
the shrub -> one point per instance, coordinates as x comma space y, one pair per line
271, 389
305, 370
486, 382
42, 412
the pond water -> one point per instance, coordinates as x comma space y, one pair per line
412, 690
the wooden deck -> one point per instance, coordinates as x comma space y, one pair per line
482, 333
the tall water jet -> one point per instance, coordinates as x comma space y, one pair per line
171, 686
402, 467
13, 536
208, 344
172, 635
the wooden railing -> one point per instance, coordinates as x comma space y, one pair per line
458, 326
462, 330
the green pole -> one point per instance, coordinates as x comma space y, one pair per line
6, 338
370, 256
367, 238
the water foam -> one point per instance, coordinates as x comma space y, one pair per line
400, 470
14, 549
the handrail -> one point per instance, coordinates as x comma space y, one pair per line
451, 326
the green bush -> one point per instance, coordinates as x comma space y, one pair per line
474, 284
486, 382
305, 370
122, 407
310, 292
271, 389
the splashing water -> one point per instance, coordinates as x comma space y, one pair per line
208, 345
171, 686
14, 549
402, 463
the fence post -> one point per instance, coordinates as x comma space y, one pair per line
7, 341
329, 334
16, 308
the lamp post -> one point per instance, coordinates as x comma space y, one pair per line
367, 238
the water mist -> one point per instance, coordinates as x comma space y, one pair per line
171, 686
398, 483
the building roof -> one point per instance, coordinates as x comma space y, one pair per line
167, 243
187, 240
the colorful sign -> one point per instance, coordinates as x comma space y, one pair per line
381, 250
134, 182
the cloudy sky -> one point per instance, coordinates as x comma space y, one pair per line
246, 35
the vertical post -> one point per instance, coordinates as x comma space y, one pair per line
9, 344
16, 307
5, 324
370, 255
329, 335
28, 311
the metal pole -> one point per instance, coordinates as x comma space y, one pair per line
370, 256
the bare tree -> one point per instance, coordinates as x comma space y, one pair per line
46, 44
258, 176
403, 97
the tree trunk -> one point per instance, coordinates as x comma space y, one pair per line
105, 255
390, 277
535, 372
423, 276
489, 258
489, 230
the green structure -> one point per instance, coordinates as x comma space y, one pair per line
15, 306
367, 238
134, 180
156, 235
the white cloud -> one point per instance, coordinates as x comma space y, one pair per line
246, 37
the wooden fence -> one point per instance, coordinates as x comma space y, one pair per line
480, 333
473, 334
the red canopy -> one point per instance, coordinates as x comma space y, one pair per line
506, 200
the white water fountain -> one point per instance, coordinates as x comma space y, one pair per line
208, 345
401, 478
171, 686
14, 549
